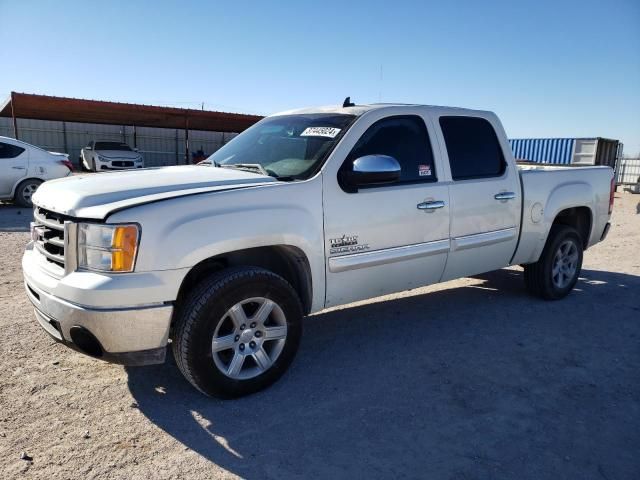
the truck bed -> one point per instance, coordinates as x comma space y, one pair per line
549, 189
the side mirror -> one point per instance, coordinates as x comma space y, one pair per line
88, 148
135, 149
371, 170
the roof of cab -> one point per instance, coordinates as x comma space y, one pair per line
358, 110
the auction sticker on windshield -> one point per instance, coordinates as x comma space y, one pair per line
330, 132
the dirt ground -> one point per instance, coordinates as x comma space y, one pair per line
464, 380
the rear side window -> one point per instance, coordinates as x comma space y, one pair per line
473, 148
10, 151
403, 138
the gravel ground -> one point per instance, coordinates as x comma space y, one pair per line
468, 379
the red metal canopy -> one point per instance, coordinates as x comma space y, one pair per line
44, 107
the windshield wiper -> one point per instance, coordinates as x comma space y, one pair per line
247, 167
255, 168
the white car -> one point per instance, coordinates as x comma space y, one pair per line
305, 210
23, 167
100, 156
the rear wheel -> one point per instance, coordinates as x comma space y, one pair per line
237, 332
555, 274
25, 191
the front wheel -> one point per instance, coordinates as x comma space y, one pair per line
555, 274
237, 332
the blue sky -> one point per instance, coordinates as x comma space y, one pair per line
548, 68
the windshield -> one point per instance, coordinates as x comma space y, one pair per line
112, 146
288, 147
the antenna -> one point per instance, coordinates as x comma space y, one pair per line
347, 103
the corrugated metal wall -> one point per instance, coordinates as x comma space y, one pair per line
608, 152
543, 150
629, 171
160, 146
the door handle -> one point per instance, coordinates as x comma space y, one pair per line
430, 206
19, 168
504, 196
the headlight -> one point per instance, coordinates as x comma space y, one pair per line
108, 248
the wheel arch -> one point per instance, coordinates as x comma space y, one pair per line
580, 218
288, 261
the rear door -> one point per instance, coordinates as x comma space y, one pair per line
485, 196
381, 239
13, 166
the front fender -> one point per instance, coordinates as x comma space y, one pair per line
238, 230
181, 232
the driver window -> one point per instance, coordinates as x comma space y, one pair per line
403, 138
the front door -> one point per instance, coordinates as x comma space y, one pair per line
386, 238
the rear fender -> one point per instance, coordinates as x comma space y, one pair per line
564, 196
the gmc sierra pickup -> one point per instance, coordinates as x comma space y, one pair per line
305, 210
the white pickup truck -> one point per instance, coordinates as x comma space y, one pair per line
305, 210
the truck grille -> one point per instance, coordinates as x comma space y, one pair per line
49, 235
122, 163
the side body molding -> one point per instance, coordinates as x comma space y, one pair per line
387, 255
483, 239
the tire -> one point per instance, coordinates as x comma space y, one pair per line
555, 274
93, 165
218, 308
25, 190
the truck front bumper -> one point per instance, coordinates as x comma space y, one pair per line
135, 335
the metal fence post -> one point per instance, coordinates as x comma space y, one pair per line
13, 116
186, 143
177, 149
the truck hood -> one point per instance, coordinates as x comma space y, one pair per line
125, 154
96, 195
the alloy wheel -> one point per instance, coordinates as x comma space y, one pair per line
249, 338
565, 264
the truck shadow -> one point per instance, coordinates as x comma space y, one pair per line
480, 380
14, 219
